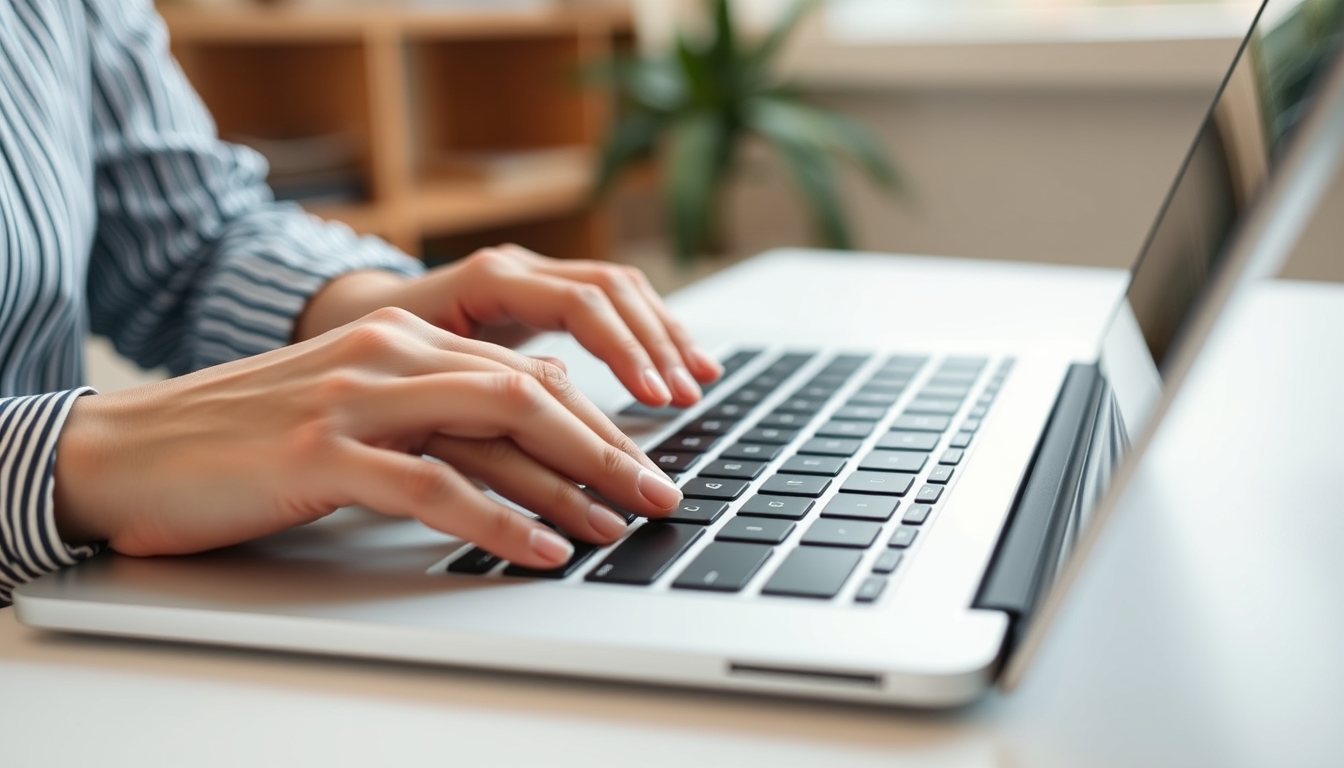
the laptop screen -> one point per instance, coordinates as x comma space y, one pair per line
1258, 105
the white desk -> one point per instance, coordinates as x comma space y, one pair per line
1208, 629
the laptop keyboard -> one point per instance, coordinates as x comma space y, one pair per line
820, 493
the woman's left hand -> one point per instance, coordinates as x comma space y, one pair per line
508, 293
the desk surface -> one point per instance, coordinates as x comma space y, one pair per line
1207, 629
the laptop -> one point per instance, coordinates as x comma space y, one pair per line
881, 523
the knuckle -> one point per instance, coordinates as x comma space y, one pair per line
552, 376
392, 316
488, 260
614, 462
519, 391
339, 386
498, 525
374, 339
588, 297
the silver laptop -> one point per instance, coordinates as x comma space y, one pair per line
871, 524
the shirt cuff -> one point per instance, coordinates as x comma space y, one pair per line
30, 545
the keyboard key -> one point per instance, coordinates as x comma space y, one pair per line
916, 514
794, 360
769, 436
707, 488
697, 511
903, 537
740, 470
945, 393
929, 405
964, 363
870, 589
854, 534
646, 553
752, 451
940, 474
978, 412
813, 572
642, 411
887, 561
929, 494
831, 380
830, 446
801, 405
709, 427
672, 463
788, 507
908, 441
474, 561
582, 551
727, 411
905, 362
954, 378
860, 506
860, 413
961, 440
970, 425
848, 362
780, 420
845, 429
796, 485
952, 456
885, 386
760, 530
894, 461
815, 392
687, 444
882, 483
723, 567
747, 396
921, 423
865, 397
829, 466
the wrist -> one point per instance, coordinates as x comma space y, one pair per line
346, 298
76, 473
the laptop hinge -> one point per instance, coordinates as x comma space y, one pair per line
1025, 561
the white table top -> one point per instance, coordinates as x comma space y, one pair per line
1207, 629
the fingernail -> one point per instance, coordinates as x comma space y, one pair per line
705, 360
684, 384
658, 490
550, 545
605, 522
657, 387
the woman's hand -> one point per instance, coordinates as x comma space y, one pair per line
497, 292
252, 447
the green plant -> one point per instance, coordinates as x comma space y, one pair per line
698, 102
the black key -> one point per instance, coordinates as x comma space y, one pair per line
860, 413
829, 466
642, 411
952, 456
646, 553
709, 427
882, 483
672, 463
906, 362
916, 514
831, 380
697, 511
903, 537
961, 440
788, 507
830, 446
582, 551
738, 359
894, 461
734, 468
474, 561
908, 441
780, 420
845, 429
723, 567
796, 485
975, 363
970, 425
931, 406
887, 561
985, 400
751, 452
801, 405
747, 396
873, 398
885, 386
940, 474
978, 412
947, 393
687, 444
921, 423
848, 362
815, 392
794, 360
854, 534
707, 488
768, 381
813, 572
769, 436
758, 530
727, 411
954, 378
870, 589
929, 494
860, 506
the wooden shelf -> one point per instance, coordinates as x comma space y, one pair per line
408, 85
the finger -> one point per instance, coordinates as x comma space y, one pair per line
702, 364
516, 406
438, 496
622, 287
557, 362
523, 480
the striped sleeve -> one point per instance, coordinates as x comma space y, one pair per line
193, 263
29, 543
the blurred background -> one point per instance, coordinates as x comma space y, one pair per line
1036, 130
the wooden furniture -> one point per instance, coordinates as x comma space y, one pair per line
414, 89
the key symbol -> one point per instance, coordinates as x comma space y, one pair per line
775, 504
793, 482
711, 577
691, 507
714, 486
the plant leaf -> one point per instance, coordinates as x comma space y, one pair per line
658, 85
634, 136
760, 59
695, 164
723, 52
816, 178
826, 132
697, 72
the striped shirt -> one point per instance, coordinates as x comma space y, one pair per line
122, 214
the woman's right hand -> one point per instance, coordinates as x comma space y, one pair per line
252, 447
